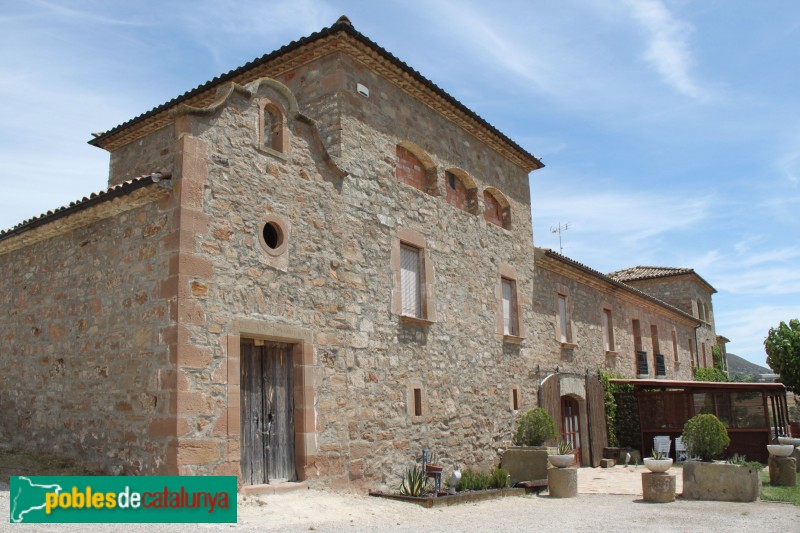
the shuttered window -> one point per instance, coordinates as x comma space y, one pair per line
410, 281
608, 331
510, 323
562, 317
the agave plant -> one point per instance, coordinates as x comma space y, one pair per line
413, 483
658, 455
564, 447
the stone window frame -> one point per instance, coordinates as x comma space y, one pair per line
417, 240
675, 356
692, 357
505, 207
278, 257
278, 145
508, 274
567, 340
607, 328
431, 175
472, 206
413, 386
515, 393
636, 324
705, 361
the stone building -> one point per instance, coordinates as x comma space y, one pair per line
308, 268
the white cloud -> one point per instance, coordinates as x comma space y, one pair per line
748, 327
667, 49
789, 167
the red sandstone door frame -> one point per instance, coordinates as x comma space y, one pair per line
267, 412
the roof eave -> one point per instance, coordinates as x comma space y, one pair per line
342, 25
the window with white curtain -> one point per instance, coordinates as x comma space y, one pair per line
510, 322
410, 281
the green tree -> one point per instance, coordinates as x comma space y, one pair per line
710, 374
716, 353
783, 353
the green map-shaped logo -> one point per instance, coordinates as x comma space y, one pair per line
28, 498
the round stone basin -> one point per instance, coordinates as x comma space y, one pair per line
780, 450
657, 465
789, 440
561, 461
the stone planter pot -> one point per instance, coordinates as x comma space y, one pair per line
720, 482
657, 465
789, 440
525, 463
780, 450
562, 461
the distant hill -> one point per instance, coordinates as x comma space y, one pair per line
742, 367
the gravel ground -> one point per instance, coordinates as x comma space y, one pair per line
314, 510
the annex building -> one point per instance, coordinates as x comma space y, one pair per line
310, 268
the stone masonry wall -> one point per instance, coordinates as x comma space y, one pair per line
338, 282
82, 357
684, 292
151, 153
586, 303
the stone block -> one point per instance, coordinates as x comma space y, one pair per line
607, 463
525, 463
720, 482
796, 456
782, 471
562, 482
658, 487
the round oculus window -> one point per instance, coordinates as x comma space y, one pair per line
273, 235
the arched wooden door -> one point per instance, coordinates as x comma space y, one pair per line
571, 431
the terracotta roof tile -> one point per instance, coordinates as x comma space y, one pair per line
617, 283
87, 201
343, 24
647, 272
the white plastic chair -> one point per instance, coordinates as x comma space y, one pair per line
662, 444
681, 454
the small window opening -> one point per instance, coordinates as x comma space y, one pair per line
273, 236
515, 399
417, 402
451, 181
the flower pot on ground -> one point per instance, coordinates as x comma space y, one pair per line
720, 482
527, 459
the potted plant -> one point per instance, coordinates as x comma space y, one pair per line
534, 428
432, 466
564, 457
527, 459
658, 462
706, 437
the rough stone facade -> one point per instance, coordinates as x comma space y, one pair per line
83, 362
588, 297
692, 295
297, 241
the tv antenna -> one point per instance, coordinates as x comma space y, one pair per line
557, 230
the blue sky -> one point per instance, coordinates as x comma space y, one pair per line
670, 129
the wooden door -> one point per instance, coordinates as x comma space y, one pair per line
596, 418
267, 413
571, 431
550, 399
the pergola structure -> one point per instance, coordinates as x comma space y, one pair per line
753, 412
